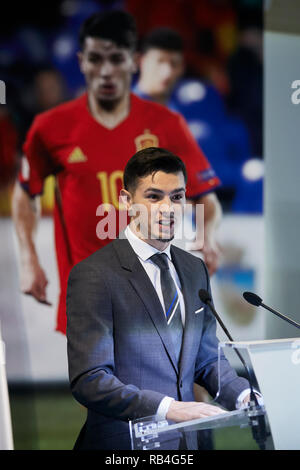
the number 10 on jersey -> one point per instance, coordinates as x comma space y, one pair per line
109, 187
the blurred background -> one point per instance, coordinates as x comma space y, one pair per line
221, 97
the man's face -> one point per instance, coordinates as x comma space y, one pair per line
161, 69
108, 69
157, 207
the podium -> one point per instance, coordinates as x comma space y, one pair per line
6, 437
274, 366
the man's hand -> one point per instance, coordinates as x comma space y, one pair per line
33, 280
210, 250
211, 254
26, 211
207, 231
185, 411
247, 399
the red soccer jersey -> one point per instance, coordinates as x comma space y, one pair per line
88, 161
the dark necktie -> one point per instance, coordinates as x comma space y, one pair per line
171, 301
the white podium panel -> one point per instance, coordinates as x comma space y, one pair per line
6, 439
276, 365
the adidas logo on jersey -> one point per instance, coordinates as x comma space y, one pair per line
77, 156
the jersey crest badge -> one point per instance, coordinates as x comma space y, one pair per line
146, 140
77, 156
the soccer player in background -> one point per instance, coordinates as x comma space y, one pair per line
220, 133
86, 144
161, 65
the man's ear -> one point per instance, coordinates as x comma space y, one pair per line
125, 199
136, 62
183, 69
80, 60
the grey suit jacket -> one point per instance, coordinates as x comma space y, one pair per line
121, 357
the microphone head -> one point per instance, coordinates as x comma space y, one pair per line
204, 296
252, 298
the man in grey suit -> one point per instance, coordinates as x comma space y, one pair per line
138, 334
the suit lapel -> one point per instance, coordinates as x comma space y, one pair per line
143, 286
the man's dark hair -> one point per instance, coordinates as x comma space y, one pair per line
162, 38
117, 26
148, 161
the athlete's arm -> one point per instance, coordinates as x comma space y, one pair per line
212, 218
25, 212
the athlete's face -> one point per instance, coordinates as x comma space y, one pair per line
156, 207
161, 69
107, 68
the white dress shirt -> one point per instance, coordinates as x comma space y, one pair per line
144, 251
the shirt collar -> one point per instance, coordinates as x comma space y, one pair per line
143, 249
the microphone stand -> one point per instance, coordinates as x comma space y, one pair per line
280, 315
258, 424
255, 300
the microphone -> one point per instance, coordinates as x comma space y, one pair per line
258, 423
255, 300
